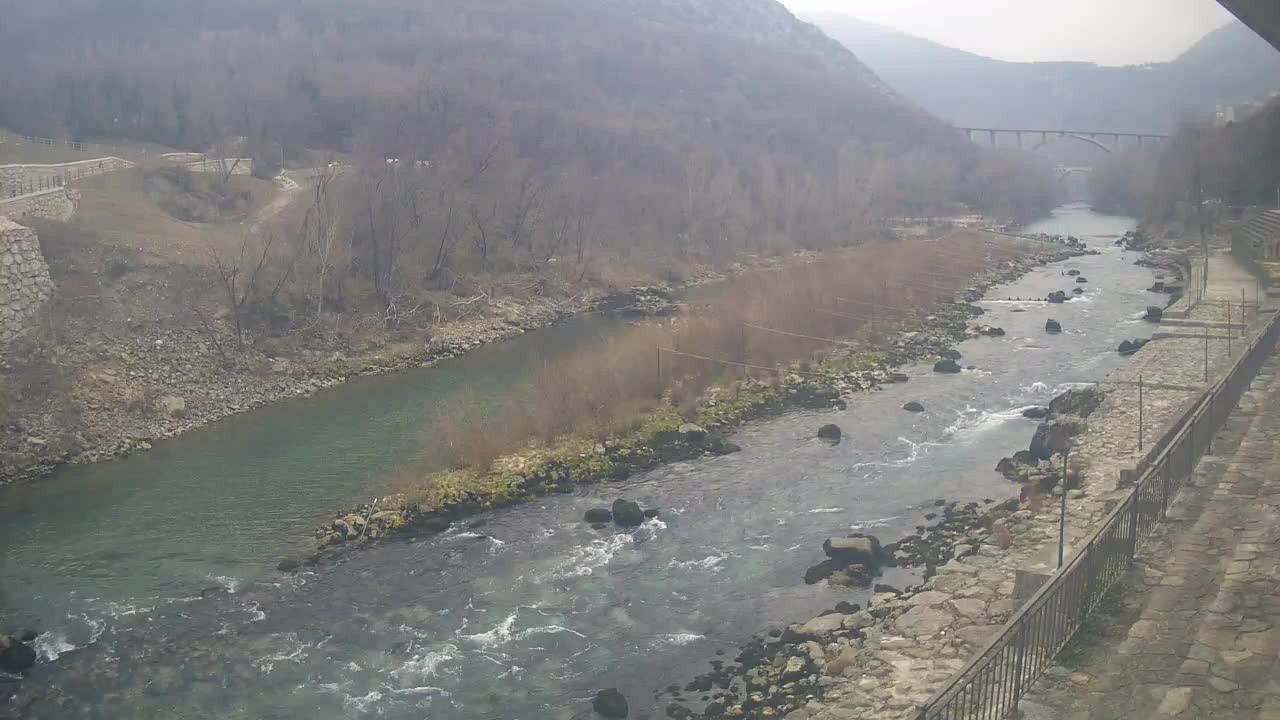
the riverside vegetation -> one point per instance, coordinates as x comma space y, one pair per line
457, 172
605, 415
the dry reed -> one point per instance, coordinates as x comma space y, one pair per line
767, 320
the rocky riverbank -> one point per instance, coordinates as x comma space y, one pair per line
885, 660
98, 393
670, 436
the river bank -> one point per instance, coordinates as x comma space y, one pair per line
884, 661
156, 379
154, 585
671, 434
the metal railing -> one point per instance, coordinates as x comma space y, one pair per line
51, 177
992, 683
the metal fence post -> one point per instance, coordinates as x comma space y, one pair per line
1062, 518
1020, 663
659, 375
1133, 530
1206, 353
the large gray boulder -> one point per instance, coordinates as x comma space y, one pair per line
15, 656
1054, 437
1080, 402
946, 365
865, 551
610, 703
627, 513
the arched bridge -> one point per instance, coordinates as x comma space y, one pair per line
1062, 171
1044, 137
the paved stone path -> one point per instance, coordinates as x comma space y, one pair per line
1202, 634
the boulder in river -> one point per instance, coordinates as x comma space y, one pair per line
1079, 401
1154, 314
1008, 467
651, 513
1082, 279
1078, 291
1054, 437
946, 366
15, 655
1036, 413
597, 515
950, 354
914, 407
610, 703
830, 432
27, 636
1052, 326
289, 565
1057, 297
1129, 347
1073, 273
990, 331
627, 513
863, 550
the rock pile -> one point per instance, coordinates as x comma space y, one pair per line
1040, 464
639, 302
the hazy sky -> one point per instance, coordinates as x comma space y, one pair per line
1111, 32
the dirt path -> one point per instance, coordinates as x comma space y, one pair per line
1198, 632
289, 191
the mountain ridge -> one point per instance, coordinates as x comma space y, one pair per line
1230, 64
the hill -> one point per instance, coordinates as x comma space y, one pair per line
1229, 65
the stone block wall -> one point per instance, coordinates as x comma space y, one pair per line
25, 285
18, 180
55, 204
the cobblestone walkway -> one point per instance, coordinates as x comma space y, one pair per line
1197, 636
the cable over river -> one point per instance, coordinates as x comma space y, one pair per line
526, 612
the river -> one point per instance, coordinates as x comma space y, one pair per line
528, 612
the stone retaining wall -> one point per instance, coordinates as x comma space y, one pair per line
54, 204
24, 179
25, 285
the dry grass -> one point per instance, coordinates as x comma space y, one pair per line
118, 210
609, 387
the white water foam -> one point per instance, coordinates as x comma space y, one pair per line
50, 645
424, 690
230, 584
821, 511
427, 665
583, 560
499, 635
495, 545
974, 422
878, 522
711, 563
293, 652
546, 630
679, 638
255, 612
364, 703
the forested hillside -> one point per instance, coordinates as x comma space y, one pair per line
702, 126
1231, 64
1205, 167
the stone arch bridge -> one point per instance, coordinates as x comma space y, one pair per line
1040, 138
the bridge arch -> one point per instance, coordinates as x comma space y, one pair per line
1072, 136
1064, 172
